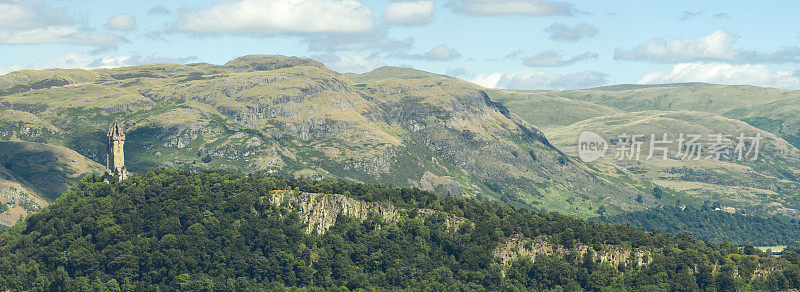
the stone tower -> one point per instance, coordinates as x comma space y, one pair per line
115, 155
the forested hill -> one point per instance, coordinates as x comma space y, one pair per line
179, 230
714, 225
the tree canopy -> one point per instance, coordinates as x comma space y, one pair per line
179, 230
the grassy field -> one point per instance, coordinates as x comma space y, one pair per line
777, 249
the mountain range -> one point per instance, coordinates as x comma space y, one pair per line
296, 118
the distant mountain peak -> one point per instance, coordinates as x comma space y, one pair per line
269, 62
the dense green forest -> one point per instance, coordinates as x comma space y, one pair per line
707, 224
180, 230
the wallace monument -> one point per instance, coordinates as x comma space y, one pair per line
115, 155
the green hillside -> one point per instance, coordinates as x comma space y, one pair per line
547, 110
772, 110
33, 174
213, 231
292, 116
766, 187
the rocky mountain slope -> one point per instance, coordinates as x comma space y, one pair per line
292, 116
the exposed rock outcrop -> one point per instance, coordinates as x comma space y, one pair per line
520, 246
320, 211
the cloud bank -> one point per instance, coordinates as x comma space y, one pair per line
717, 46
441, 53
722, 73
438, 53
273, 17
84, 61
554, 59
121, 22
29, 22
563, 32
350, 63
158, 10
512, 7
529, 79
409, 13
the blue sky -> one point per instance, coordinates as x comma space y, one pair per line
520, 44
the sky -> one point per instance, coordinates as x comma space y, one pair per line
515, 44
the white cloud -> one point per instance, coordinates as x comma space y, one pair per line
83, 61
554, 59
512, 7
352, 63
409, 12
121, 22
721, 16
271, 17
158, 10
29, 22
75, 61
371, 40
529, 79
441, 53
691, 14
11, 68
456, 71
27, 15
563, 32
58, 34
723, 73
490, 81
717, 46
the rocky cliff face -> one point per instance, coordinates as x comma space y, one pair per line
520, 246
17, 201
320, 211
